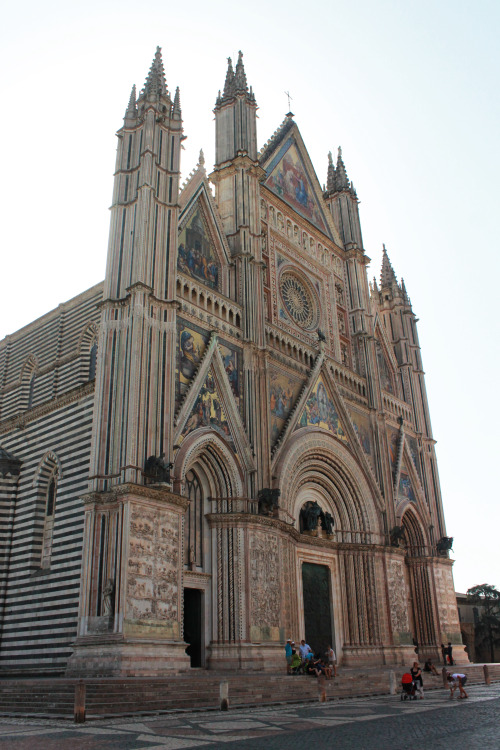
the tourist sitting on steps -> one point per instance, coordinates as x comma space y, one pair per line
429, 667
296, 663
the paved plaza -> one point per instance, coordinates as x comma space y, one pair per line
376, 723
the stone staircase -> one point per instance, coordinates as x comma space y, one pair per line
198, 690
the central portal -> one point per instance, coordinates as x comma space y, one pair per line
192, 625
317, 611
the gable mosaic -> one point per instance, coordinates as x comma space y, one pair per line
196, 255
319, 411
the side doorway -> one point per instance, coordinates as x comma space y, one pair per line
193, 625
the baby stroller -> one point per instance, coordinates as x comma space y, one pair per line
408, 688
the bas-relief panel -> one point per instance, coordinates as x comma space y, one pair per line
152, 586
283, 392
363, 431
405, 486
196, 256
265, 585
398, 597
207, 412
319, 411
446, 599
287, 178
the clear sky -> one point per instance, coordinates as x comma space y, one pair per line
410, 91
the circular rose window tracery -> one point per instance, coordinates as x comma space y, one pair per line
298, 300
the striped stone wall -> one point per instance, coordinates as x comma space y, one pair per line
50, 436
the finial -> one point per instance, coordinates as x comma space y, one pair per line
341, 179
240, 78
330, 158
155, 81
330, 178
387, 275
201, 158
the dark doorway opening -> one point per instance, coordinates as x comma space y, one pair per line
192, 625
317, 610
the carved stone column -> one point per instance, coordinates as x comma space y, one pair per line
130, 620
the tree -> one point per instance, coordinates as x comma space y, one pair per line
487, 600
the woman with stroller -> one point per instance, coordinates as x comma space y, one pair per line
416, 674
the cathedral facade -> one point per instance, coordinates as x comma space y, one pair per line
227, 442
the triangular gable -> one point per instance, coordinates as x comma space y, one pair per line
408, 489
203, 252
290, 175
321, 398
320, 411
387, 365
210, 403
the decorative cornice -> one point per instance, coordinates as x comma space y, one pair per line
131, 491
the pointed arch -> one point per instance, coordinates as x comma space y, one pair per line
88, 348
415, 536
29, 372
47, 476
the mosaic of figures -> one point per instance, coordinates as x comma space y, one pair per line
231, 357
288, 178
413, 447
405, 488
283, 392
319, 411
207, 412
386, 380
363, 431
192, 343
393, 440
197, 256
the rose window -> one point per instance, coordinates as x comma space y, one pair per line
298, 300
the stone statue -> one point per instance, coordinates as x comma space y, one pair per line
444, 545
108, 598
157, 470
268, 501
310, 514
327, 522
191, 558
321, 335
397, 534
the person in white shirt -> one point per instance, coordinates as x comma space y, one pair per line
304, 649
332, 660
457, 680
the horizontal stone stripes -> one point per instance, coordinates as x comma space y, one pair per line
40, 616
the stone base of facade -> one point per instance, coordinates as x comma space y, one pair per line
126, 658
248, 657
372, 656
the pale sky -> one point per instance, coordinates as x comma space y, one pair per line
410, 91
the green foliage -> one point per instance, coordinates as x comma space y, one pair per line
487, 599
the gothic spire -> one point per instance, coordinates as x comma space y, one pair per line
341, 179
240, 78
229, 85
155, 82
330, 180
387, 275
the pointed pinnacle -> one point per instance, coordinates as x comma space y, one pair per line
155, 81
387, 275
131, 110
201, 159
229, 82
330, 179
240, 77
341, 179
177, 103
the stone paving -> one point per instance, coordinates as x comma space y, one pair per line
375, 723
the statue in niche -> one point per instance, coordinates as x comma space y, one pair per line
309, 515
191, 558
268, 501
397, 535
108, 598
281, 223
157, 470
340, 294
341, 321
327, 522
